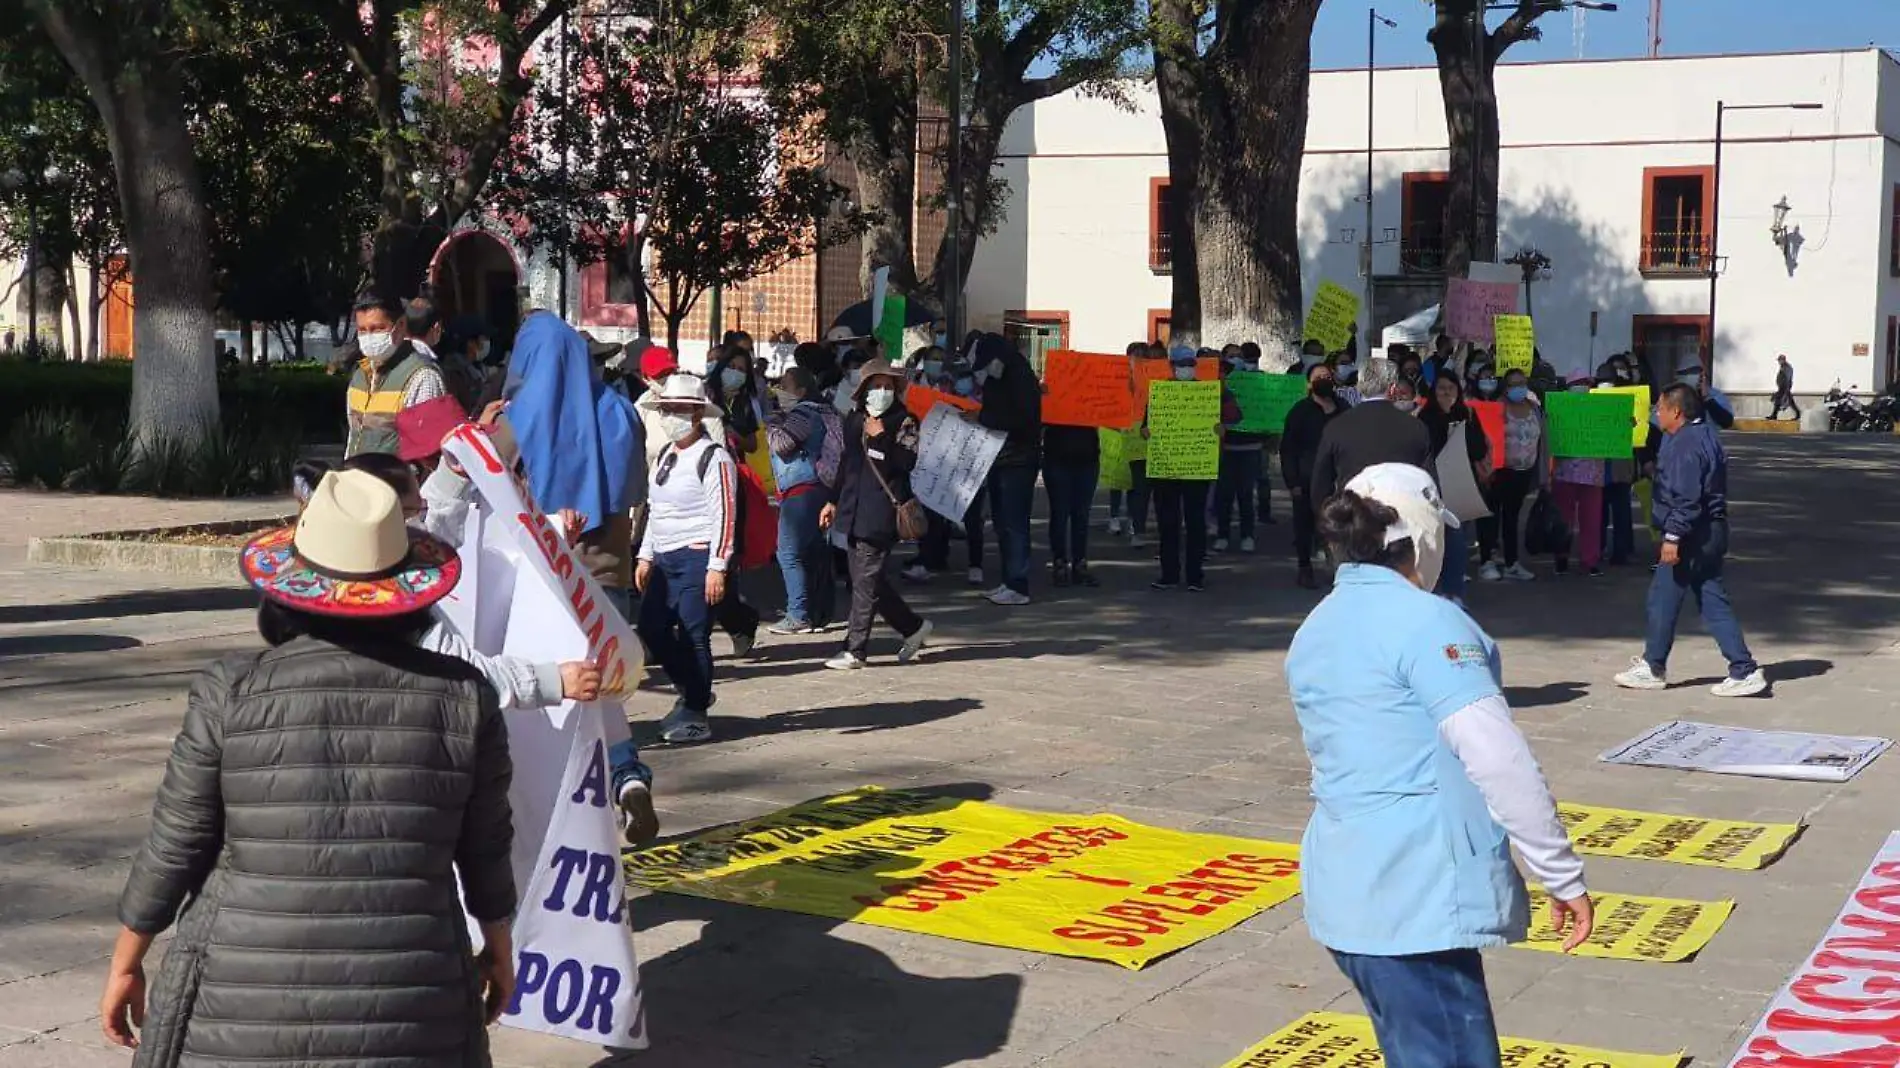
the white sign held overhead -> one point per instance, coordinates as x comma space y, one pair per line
953, 461
524, 593
1837, 1008
1741, 751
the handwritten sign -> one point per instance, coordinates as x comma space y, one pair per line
1150, 371
1517, 343
1471, 307
1116, 474
1639, 410
920, 399
1490, 417
1589, 425
1330, 320
1265, 399
1085, 389
1182, 443
953, 461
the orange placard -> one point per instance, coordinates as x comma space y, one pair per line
1206, 369
1490, 416
1086, 389
920, 399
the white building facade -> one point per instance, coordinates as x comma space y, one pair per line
1607, 167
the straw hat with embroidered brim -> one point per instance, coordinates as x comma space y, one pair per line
351, 555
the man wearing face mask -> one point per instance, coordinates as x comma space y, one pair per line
391, 376
1299, 453
1382, 429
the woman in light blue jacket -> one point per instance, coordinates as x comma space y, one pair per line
1421, 781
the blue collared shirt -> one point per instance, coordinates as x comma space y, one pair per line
1401, 855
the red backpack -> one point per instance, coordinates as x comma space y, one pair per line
756, 523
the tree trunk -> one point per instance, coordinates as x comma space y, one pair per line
70, 284
1239, 178
982, 140
247, 345
1467, 66
887, 188
41, 303
95, 308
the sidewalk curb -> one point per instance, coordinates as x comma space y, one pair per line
124, 551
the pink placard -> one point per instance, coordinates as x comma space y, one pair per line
1471, 306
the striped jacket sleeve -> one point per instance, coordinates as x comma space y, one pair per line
721, 486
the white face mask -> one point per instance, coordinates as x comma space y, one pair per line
996, 368
481, 350
786, 398
1184, 374
878, 401
677, 426
376, 345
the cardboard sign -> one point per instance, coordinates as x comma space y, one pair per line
1724, 750
1664, 930
1639, 410
1114, 460
1182, 421
1206, 369
1095, 886
1331, 318
1617, 832
1838, 1008
1336, 1040
953, 461
1457, 481
1516, 343
1592, 426
1265, 399
1490, 417
919, 400
1471, 307
1085, 389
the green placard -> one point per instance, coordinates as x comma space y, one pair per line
1115, 472
1183, 424
890, 329
1265, 399
1592, 426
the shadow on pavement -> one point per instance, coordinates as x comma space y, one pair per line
1546, 696
143, 603
54, 644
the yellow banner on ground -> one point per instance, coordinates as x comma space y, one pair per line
1337, 1040
1616, 832
1661, 929
1098, 886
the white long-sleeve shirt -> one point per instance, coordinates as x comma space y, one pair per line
684, 509
1498, 759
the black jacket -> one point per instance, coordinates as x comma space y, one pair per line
865, 511
1012, 403
1299, 441
1438, 426
1371, 433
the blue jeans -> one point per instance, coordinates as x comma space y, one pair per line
1134, 500
1428, 1011
1071, 489
804, 558
1699, 575
1451, 580
676, 623
1239, 481
1012, 497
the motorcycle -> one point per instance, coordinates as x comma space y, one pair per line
1845, 412
1882, 414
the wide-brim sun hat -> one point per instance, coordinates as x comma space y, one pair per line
351, 555
683, 391
878, 368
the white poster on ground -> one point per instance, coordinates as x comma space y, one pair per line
1838, 1007
1457, 482
525, 594
1743, 751
953, 461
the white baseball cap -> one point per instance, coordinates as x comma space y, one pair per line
1408, 491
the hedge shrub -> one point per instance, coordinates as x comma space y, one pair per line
298, 400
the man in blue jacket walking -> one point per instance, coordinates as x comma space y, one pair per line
1691, 511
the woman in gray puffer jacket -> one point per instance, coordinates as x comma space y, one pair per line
318, 806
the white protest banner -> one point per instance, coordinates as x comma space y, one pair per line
1457, 481
953, 460
524, 593
1838, 1007
1486, 271
1471, 306
1742, 751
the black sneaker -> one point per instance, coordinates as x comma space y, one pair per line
1164, 587
1084, 577
1061, 572
1596, 572
1196, 587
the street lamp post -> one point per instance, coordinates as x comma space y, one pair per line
1373, 19
1715, 211
953, 204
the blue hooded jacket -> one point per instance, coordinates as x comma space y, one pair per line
579, 439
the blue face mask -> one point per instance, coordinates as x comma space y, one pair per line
1487, 385
965, 386
1518, 394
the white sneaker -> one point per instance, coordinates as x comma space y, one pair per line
915, 643
1751, 686
974, 577
639, 824
917, 573
845, 662
1490, 573
1519, 573
1134, 540
1641, 676
1008, 598
1246, 545
1220, 545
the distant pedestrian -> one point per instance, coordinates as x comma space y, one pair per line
391, 374
1382, 429
1299, 451
1012, 403
1181, 507
1691, 510
1525, 470
1784, 388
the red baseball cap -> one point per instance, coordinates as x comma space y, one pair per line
657, 361
420, 430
